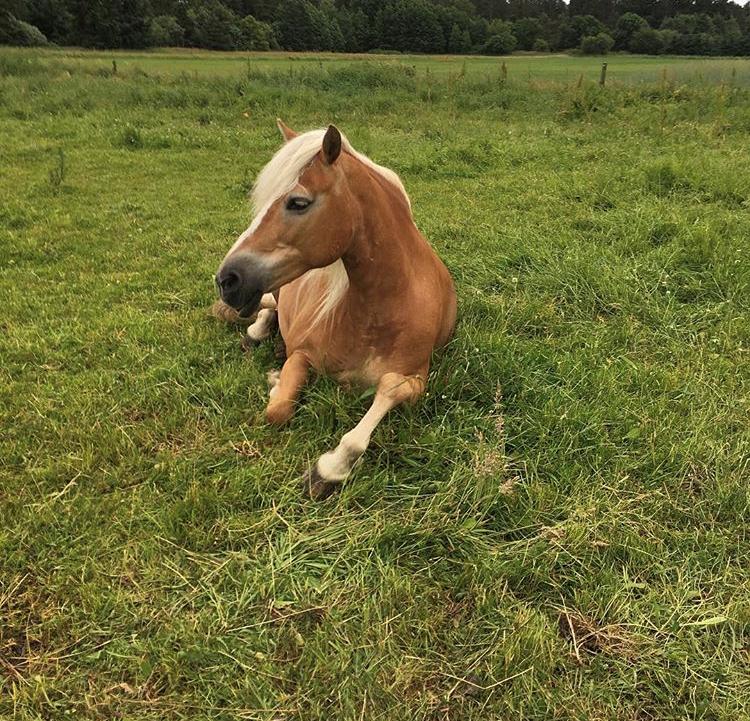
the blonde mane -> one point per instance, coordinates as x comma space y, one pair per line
280, 175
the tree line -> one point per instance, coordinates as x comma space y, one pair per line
496, 27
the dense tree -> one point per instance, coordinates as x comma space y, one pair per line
410, 25
52, 17
627, 25
701, 27
602, 10
165, 31
478, 32
579, 27
214, 26
450, 15
646, 40
110, 23
301, 26
527, 30
459, 41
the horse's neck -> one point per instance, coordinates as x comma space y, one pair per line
384, 248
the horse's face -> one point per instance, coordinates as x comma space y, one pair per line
311, 226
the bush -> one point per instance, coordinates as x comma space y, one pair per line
16, 32
647, 41
500, 45
599, 44
540, 46
255, 35
501, 40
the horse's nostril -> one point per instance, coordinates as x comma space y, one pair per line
228, 280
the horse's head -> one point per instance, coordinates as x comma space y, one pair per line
304, 219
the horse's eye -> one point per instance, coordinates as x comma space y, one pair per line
298, 204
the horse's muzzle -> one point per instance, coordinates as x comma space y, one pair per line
241, 285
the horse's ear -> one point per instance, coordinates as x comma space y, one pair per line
332, 144
286, 132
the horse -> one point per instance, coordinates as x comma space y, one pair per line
333, 256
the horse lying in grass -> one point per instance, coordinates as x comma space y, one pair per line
333, 255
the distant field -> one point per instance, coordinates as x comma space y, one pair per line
565, 68
558, 531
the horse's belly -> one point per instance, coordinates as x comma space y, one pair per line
366, 373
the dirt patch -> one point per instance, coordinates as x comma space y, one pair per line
587, 636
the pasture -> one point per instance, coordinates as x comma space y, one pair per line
558, 531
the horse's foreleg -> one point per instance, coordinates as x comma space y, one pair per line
264, 325
332, 468
285, 390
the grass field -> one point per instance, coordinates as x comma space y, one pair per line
559, 531
523, 67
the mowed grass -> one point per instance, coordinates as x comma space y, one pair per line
558, 531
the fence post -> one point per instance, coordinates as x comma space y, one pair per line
114, 67
504, 71
603, 76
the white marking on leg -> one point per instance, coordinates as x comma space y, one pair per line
268, 301
336, 465
273, 378
261, 328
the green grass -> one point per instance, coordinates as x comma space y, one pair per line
525, 67
558, 531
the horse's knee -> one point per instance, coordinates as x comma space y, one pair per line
400, 388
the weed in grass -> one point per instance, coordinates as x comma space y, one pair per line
57, 174
130, 138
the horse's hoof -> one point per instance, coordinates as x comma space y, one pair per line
248, 344
279, 349
317, 487
226, 313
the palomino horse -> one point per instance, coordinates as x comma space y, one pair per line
333, 254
